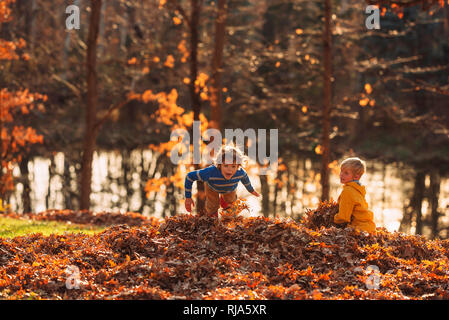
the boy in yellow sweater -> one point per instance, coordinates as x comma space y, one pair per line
353, 208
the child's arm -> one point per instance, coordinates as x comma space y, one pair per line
191, 177
345, 207
247, 183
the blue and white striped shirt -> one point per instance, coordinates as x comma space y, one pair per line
215, 180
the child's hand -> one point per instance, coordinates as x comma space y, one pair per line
255, 193
189, 204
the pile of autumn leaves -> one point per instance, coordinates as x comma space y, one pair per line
199, 257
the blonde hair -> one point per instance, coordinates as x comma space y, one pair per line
228, 152
356, 165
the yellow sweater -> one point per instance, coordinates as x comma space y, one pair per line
353, 208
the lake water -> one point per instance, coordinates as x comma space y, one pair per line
388, 189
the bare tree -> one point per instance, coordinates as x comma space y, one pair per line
327, 78
92, 101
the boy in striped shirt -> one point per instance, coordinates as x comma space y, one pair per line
220, 180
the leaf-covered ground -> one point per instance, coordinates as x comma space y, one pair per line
198, 257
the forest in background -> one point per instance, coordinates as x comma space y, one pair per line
135, 70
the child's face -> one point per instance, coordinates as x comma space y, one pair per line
228, 170
346, 175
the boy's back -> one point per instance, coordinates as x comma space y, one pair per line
353, 208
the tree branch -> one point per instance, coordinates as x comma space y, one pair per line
74, 89
113, 108
404, 3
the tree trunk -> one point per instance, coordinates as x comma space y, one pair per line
131, 24
415, 204
171, 198
127, 176
123, 29
276, 191
327, 59
166, 170
2, 157
173, 195
24, 173
67, 185
51, 174
384, 189
158, 163
194, 40
92, 100
291, 186
304, 180
446, 19
194, 95
217, 61
143, 179
434, 194
265, 190
33, 24
417, 200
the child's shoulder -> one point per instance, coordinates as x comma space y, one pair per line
210, 169
354, 190
347, 189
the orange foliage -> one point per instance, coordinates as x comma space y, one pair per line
5, 10
177, 21
368, 88
170, 61
175, 117
183, 49
15, 139
363, 102
200, 82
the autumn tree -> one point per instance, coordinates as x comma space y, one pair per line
91, 106
94, 121
16, 138
327, 100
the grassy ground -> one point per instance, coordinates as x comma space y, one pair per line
10, 227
